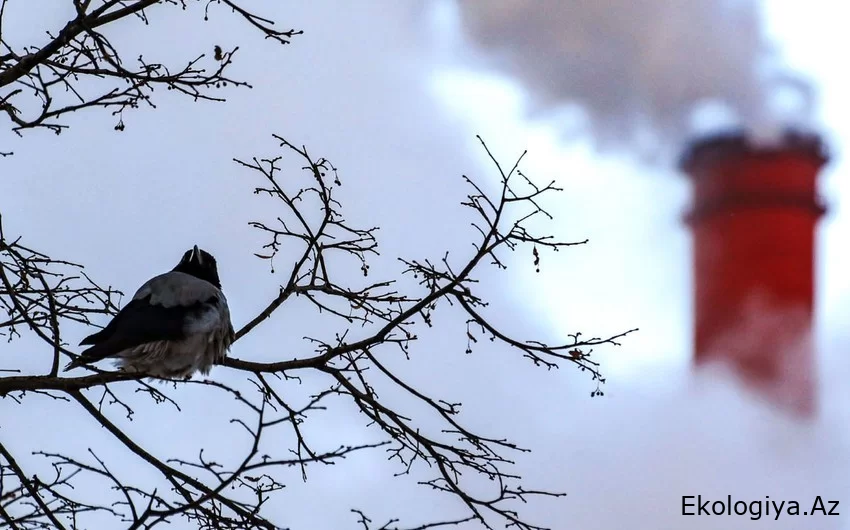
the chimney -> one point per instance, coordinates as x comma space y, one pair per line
753, 218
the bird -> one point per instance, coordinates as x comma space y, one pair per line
177, 324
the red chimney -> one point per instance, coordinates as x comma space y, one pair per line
753, 219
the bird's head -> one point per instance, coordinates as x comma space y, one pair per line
200, 264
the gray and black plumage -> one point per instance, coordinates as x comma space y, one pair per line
177, 323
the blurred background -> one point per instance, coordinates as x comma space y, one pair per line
696, 143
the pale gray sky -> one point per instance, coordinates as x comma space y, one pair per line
393, 94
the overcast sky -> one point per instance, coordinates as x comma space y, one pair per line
393, 94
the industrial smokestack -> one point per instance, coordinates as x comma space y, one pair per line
754, 214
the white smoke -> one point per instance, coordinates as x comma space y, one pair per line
641, 74
631, 459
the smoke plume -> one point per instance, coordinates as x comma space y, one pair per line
641, 74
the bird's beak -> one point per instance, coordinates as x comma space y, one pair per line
196, 256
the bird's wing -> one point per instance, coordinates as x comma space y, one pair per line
168, 307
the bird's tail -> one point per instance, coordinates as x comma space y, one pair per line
88, 356
76, 363
93, 354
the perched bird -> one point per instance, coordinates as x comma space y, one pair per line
176, 324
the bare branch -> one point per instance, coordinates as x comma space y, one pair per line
80, 67
369, 321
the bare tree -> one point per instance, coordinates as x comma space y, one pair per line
80, 68
375, 320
